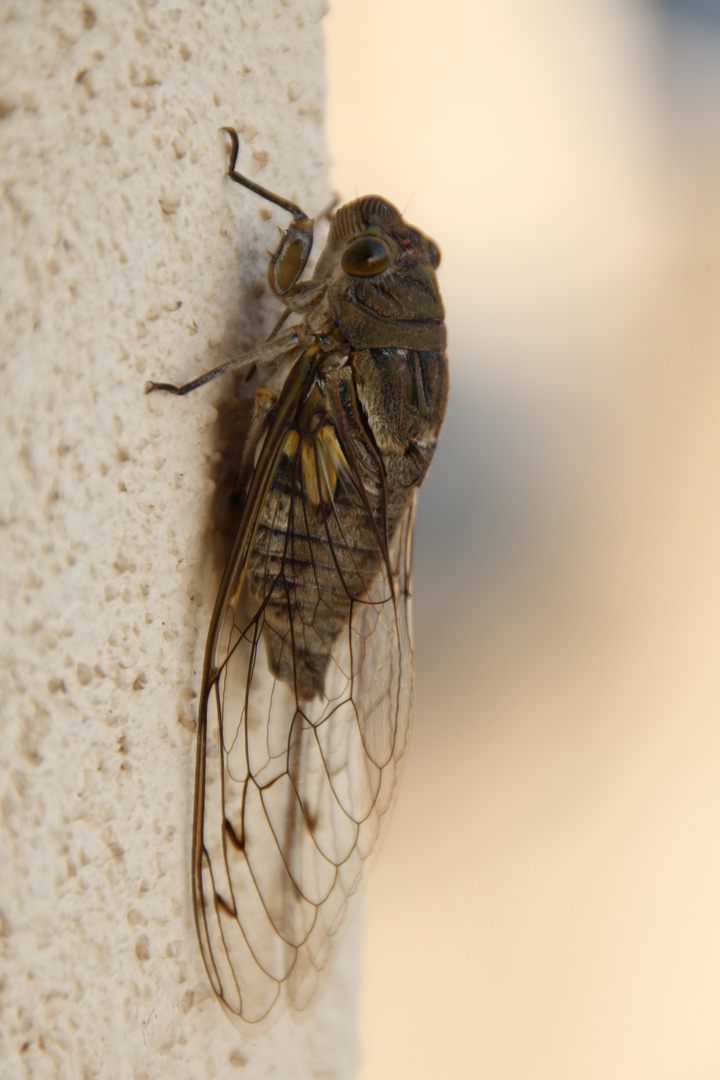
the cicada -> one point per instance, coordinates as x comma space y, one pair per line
306, 702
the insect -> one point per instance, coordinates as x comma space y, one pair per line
307, 691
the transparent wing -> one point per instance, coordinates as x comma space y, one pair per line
305, 720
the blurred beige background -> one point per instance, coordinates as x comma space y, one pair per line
547, 904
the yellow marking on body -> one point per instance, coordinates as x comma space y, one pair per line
310, 472
291, 443
323, 459
331, 449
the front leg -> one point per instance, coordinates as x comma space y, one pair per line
290, 258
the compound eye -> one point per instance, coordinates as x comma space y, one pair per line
434, 253
366, 256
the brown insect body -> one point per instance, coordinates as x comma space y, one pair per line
306, 701
384, 404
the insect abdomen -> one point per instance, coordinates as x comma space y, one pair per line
310, 570
311, 574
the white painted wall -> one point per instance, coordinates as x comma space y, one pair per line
127, 255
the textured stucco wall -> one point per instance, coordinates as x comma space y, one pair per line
127, 255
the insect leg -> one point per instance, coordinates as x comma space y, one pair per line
290, 259
284, 204
263, 354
